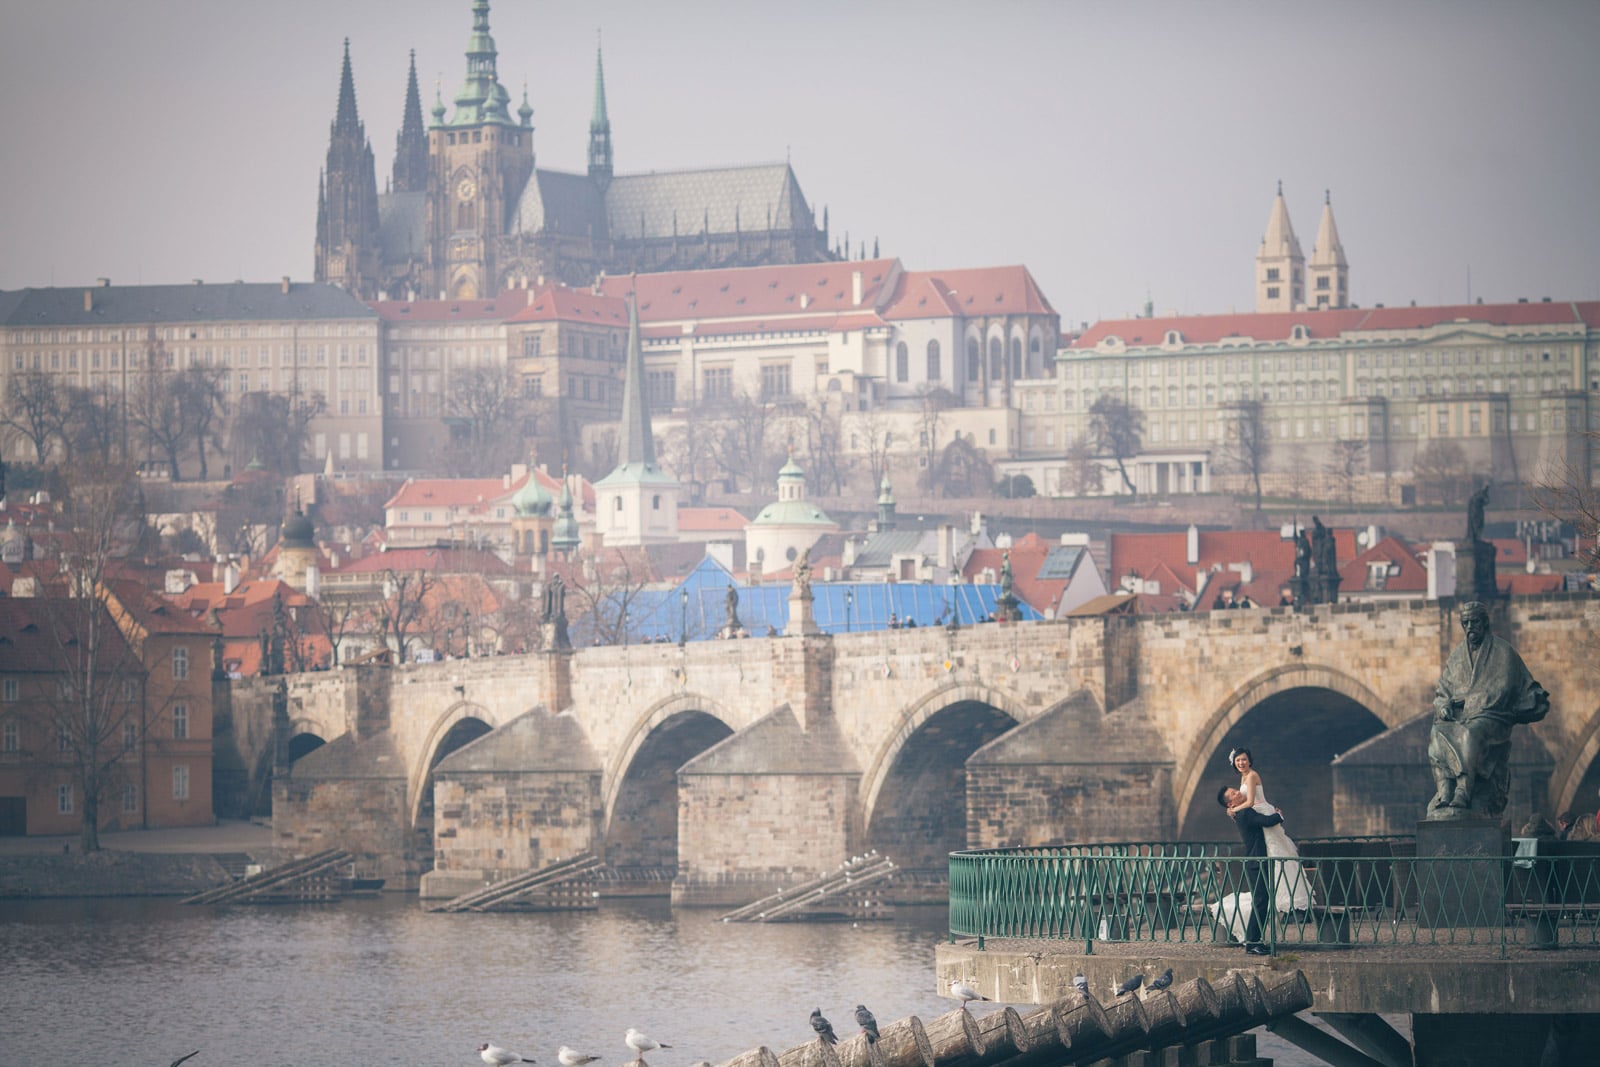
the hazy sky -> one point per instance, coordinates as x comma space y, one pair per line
1115, 148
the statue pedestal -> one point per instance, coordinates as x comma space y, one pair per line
1471, 890
801, 622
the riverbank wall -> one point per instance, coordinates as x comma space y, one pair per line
108, 874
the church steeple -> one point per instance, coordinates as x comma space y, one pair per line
1329, 273
1280, 266
637, 445
411, 145
638, 501
481, 98
599, 127
347, 198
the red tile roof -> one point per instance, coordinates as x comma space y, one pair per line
976, 291
476, 494
38, 634
444, 560
1028, 555
1529, 584
1323, 325
1407, 573
753, 292
559, 303
711, 520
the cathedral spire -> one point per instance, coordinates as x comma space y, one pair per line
1280, 266
345, 118
346, 251
599, 126
1328, 273
411, 145
481, 98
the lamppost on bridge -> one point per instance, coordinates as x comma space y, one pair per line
849, 602
466, 630
683, 618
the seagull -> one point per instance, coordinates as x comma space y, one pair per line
190, 1056
1129, 986
495, 1056
1080, 983
1163, 980
641, 1043
964, 992
868, 1024
823, 1027
571, 1057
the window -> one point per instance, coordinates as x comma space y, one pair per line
974, 362
934, 370
717, 383
10, 689
10, 736
1272, 292
180, 721
63, 741
64, 799
774, 381
130, 736
1272, 276
530, 345
902, 363
1016, 357
996, 360
662, 388
130, 798
180, 782
180, 664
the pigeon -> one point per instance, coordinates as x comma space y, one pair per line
190, 1056
495, 1056
823, 1027
641, 1043
1130, 985
868, 1024
571, 1057
964, 992
1163, 980
1080, 983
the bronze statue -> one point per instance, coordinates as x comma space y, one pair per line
1484, 691
1302, 568
731, 600
1325, 557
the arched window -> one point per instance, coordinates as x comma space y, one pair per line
935, 372
1035, 364
1016, 357
902, 363
996, 360
974, 360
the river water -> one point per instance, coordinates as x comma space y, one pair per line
142, 981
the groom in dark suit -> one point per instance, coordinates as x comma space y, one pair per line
1250, 824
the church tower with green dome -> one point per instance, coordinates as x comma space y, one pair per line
565, 538
788, 526
532, 517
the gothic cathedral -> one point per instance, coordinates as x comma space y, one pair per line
467, 213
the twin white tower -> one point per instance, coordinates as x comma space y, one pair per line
1281, 274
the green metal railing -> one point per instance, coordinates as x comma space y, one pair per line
1375, 895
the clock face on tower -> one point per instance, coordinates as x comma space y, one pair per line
465, 189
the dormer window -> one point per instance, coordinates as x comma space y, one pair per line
1300, 333
1174, 337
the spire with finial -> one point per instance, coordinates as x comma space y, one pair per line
599, 123
1328, 273
346, 252
1280, 266
525, 112
411, 145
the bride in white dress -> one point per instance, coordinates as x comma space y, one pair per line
1291, 889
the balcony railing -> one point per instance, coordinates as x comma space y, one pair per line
1339, 893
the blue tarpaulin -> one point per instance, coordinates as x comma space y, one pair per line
837, 607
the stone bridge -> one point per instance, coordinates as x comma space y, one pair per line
743, 765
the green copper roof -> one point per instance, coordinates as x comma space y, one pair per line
481, 99
598, 120
792, 513
565, 534
532, 498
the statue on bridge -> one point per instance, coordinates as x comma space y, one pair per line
1484, 691
802, 574
553, 614
1302, 568
1325, 557
1484, 586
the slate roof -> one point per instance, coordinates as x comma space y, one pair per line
114, 305
643, 205
557, 202
492, 309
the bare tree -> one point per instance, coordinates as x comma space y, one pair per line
876, 437
199, 390
1118, 430
342, 612
400, 610
1440, 469
1085, 476
92, 427
690, 450
932, 401
156, 410
605, 596
274, 429
100, 692
824, 444
1566, 494
1345, 464
485, 406
1247, 441
34, 407
962, 470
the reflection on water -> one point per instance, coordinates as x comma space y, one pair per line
143, 981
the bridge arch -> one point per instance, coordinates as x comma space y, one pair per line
688, 706
461, 722
924, 758
303, 741
1576, 782
1348, 710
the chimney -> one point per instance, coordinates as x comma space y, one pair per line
230, 579
855, 287
946, 546
284, 287
104, 283
1191, 551
805, 301
88, 300
313, 582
